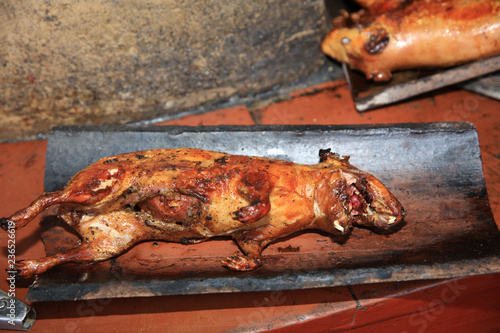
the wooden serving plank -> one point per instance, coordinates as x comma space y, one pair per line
434, 169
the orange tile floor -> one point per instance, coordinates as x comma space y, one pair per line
459, 305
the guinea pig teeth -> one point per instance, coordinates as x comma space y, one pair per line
337, 226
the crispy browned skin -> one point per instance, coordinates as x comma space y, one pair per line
190, 195
416, 35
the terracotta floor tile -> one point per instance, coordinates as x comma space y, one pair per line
21, 173
22, 166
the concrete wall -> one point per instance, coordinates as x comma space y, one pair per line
114, 62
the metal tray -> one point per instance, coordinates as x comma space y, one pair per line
369, 95
434, 169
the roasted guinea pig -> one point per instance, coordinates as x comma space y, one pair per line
416, 34
190, 195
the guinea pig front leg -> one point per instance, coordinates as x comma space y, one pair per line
289, 213
254, 186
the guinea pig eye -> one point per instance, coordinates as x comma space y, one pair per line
345, 41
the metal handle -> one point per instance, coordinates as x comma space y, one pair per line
15, 314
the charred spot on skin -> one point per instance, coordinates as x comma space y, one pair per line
111, 161
169, 167
4, 223
140, 157
377, 41
222, 160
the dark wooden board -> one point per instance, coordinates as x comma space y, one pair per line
434, 169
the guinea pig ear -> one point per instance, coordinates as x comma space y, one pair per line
326, 155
